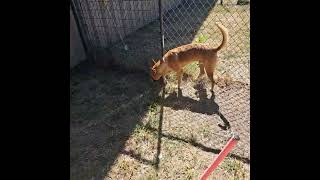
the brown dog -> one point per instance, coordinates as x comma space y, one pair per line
177, 58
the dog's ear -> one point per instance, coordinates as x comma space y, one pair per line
154, 62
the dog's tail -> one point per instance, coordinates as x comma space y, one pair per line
225, 35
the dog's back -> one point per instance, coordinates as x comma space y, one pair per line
196, 51
190, 52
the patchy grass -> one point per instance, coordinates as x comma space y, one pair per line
114, 123
202, 39
192, 70
233, 169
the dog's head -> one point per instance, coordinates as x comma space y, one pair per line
157, 69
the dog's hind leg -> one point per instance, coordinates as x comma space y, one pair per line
210, 70
179, 77
201, 66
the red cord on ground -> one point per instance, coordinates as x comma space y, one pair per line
224, 152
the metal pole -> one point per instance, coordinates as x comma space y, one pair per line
161, 28
73, 9
163, 88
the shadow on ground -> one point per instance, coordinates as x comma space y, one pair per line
204, 105
105, 107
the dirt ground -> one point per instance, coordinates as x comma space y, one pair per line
121, 128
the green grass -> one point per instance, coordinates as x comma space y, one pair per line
202, 39
192, 70
234, 168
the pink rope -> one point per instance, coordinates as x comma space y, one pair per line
224, 152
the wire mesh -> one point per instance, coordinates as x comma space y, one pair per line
194, 22
200, 121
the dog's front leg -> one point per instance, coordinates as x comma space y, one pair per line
164, 80
179, 77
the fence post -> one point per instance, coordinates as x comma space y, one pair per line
161, 27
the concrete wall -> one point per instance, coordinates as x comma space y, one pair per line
107, 20
77, 53
104, 23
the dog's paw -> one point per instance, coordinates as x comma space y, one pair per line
213, 96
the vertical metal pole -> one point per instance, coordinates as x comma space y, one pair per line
73, 9
163, 88
161, 28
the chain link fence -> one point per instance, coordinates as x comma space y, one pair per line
194, 22
164, 127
